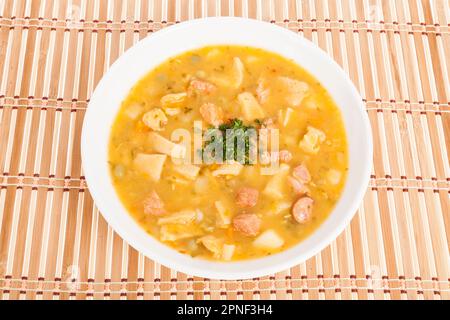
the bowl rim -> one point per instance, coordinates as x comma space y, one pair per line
212, 269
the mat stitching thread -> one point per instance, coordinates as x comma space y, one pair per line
131, 26
207, 281
271, 290
72, 101
5, 175
325, 21
83, 186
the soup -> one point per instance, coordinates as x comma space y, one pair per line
239, 208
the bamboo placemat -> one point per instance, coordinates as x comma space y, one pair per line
54, 244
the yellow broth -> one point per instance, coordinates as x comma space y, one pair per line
261, 73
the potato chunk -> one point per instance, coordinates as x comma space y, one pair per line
235, 80
275, 186
213, 244
269, 239
180, 217
262, 90
217, 247
238, 72
187, 170
250, 107
155, 119
311, 140
151, 164
296, 90
174, 232
228, 251
287, 116
165, 146
247, 197
223, 214
201, 184
134, 110
279, 207
234, 168
334, 176
173, 100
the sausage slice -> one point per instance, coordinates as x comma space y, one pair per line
248, 224
247, 197
302, 210
201, 87
301, 173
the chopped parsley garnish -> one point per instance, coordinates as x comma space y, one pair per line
230, 138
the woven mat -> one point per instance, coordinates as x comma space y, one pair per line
54, 244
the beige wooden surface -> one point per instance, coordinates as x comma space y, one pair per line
54, 244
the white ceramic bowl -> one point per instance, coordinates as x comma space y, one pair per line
152, 51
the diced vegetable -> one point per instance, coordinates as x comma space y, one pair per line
311, 140
250, 107
172, 111
238, 72
280, 207
174, 232
275, 187
234, 168
155, 119
213, 53
334, 176
200, 216
223, 214
235, 80
262, 90
201, 184
287, 116
228, 251
252, 59
119, 170
213, 244
134, 110
177, 181
151, 164
311, 103
269, 170
217, 247
187, 170
173, 100
165, 146
296, 90
181, 217
269, 239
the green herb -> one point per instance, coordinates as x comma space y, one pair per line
236, 130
